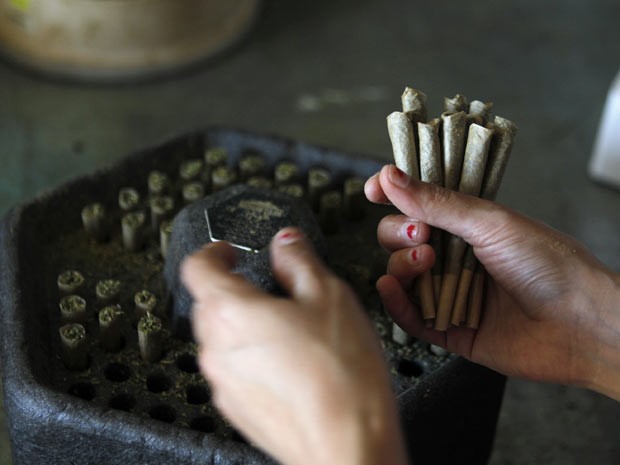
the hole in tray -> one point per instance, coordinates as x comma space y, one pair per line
187, 363
124, 401
204, 424
197, 394
84, 391
158, 382
410, 368
163, 413
117, 372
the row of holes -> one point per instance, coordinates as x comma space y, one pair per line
195, 394
161, 412
119, 372
159, 382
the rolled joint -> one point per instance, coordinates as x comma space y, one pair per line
286, 172
319, 180
414, 104
459, 310
108, 289
222, 177
73, 309
455, 104
427, 295
74, 346
499, 154
354, 198
193, 191
446, 301
145, 302
132, 230
161, 209
403, 142
150, 338
128, 199
215, 156
110, 327
158, 183
453, 133
69, 281
191, 170
430, 152
95, 222
481, 110
330, 211
165, 232
251, 165
474, 163
476, 296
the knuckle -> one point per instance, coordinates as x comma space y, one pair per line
326, 285
309, 279
497, 226
438, 196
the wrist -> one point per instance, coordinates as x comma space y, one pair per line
359, 426
604, 357
373, 435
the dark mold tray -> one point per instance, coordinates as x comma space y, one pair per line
121, 409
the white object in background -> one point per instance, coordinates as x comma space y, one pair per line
605, 161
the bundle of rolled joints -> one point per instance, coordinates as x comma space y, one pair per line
463, 150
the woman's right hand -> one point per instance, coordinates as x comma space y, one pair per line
552, 310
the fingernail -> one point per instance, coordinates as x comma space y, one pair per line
398, 176
412, 231
288, 236
414, 255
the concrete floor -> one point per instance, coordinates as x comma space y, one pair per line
329, 72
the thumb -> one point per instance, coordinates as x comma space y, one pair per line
476, 220
296, 266
511, 246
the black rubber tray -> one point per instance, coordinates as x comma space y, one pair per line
123, 410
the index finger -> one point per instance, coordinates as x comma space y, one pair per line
207, 275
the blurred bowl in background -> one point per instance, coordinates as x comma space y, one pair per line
112, 39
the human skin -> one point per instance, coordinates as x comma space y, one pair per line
292, 374
302, 377
552, 310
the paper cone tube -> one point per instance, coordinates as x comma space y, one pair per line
453, 132
474, 163
455, 104
401, 135
499, 153
476, 294
430, 171
481, 109
414, 105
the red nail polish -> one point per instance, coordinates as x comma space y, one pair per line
410, 231
414, 255
288, 237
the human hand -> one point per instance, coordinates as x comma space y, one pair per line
552, 311
302, 377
